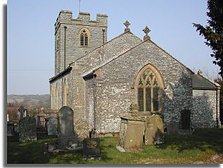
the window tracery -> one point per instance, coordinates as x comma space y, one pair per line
149, 91
84, 38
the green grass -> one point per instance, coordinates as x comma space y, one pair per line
178, 149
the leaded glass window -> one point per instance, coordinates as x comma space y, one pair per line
148, 92
84, 38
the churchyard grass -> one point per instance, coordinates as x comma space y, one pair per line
178, 149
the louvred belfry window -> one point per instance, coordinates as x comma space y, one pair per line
148, 92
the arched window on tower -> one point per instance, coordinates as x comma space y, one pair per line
84, 38
148, 91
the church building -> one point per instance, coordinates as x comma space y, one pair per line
101, 79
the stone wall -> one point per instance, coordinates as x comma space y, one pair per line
115, 85
61, 92
205, 112
113, 100
90, 103
82, 91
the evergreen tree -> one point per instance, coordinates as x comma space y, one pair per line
213, 33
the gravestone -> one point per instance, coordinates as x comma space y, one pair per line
131, 133
10, 129
7, 117
41, 118
154, 132
67, 135
16, 128
138, 128
52, 125
22, 113
27, 129
91, 148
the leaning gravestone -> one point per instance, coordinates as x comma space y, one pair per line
154, 132
52, 126
67, 136
27, 129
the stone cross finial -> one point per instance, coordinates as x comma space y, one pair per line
199, 72
146, 31
127, 24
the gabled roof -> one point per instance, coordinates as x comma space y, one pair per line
199, 82
117, 56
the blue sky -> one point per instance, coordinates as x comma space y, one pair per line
30, 34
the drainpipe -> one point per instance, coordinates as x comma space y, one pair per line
103, 36
62, 87
64, 62
65, 34
95, 101
217, 106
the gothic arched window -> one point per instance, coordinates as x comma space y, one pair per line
84, 38
148, 91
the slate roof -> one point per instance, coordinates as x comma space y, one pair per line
199, 82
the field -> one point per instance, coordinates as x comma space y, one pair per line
204, 146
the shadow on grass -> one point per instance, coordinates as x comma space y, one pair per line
32, 152
27, 153
201, 139
76, 157
106, 147
182, 147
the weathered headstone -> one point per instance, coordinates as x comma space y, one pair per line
154, 132
22, 113
41, 116
91, 148
10, 129
27, 129
52, 126
131, 133
67, 136
16, 128
7, 117
138, 128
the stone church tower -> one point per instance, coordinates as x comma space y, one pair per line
77, 37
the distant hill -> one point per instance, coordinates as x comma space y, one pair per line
30, 100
